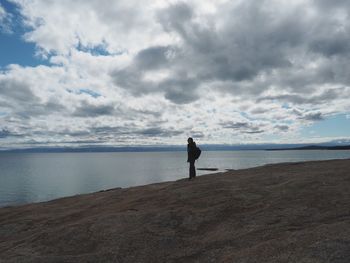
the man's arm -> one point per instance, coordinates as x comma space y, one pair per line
188, 153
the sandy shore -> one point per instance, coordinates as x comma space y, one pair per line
297, 212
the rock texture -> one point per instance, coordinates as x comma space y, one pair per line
294, 212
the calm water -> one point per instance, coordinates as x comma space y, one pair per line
34, 177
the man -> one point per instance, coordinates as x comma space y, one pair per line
191, 156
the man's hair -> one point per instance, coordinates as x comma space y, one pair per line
190, 139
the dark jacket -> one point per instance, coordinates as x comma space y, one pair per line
191, 152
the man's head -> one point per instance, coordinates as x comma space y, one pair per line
190, 140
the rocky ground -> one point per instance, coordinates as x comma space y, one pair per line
295, 212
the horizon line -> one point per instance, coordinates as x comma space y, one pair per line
163, 148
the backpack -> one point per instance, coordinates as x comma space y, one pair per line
197, 153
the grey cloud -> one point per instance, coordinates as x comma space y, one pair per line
16, 90
255, 39
127, 78
130, 79
326, 96
259, 110
236, 52
135, 132
35, 108
108, 130
181, 90
309, 116
4, 133
297, 99
318, 116
243, 127
109, 134
327, 5
65, 142
235, 125
149, 112
66, 136
254, 42
297, 112
53, 106
65, 132
197, 134
86, 109
158, 132
282, 128
178, 88
175, 16
17, 96
85, 142
152, 58
331, 45
257, 131
251, 42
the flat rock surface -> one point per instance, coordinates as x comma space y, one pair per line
292, 212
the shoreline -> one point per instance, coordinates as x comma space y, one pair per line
286, 212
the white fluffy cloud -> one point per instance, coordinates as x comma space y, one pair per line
117, 26
125, 72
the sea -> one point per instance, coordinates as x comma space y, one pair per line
38, 177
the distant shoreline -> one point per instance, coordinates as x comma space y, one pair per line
313, 147
174, 148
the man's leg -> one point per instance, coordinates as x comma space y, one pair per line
192, 170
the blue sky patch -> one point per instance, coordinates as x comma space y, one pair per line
14, 49
90, 92
99, 50
334, 126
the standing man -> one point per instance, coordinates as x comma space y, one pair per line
191, 156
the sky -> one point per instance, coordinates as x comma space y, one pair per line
152, 72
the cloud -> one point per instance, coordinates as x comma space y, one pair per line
334, 45
89, 24
4, 133
282, 128
158, 132
249, 53
313, 116
152, 58
336, 4
133, 132
180, 90
12, 89
89, 110
326, 96
18, 98
118, 72
243, 127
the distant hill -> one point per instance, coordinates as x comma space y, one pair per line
314, 147
176, 148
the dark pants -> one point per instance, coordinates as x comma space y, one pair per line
192, 170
